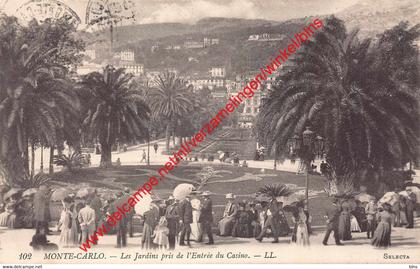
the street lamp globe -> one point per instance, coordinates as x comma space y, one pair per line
308, 137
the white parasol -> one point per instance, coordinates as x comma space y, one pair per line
143, 205
29, 192
182, 190
364, 197
11, 192
59, 194
82, 193
416, 191
390, 198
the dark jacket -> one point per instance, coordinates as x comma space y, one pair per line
185, 211
333, 213
172, 216
96, 205
411, 202
206, 211
118, 203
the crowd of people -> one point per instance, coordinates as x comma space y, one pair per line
373, 217
171, 222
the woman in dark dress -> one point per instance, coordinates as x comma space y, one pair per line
382, 235
360, 215
284, 226
242, 227
344, 224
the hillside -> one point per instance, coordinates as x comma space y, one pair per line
134, 33
374, 16
230, 52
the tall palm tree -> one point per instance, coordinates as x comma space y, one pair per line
114, 109
336, 86
34, 97
170, 99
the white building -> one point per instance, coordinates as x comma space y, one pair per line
127, 56
266, 37
88, 67
218, 72
135, 69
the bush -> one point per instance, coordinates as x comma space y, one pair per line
71, 162
33, 181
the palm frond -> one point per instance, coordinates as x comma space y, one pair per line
275, 190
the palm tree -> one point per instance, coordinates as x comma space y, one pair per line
114, 109
33, 100
170, 99
336, 85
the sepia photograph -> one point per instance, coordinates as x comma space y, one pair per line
209, 132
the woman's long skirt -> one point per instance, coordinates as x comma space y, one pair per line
382, 235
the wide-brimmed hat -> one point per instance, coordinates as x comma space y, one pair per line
206, 193
230, 196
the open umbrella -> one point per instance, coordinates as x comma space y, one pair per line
59, 194
390, 198
182, 190
415, 190
83, 192
143, 205
364, 197
11, 192
29, 192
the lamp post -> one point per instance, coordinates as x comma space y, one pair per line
148, 144
307, 147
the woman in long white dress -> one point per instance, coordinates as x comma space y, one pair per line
301, 237
354, 225
195, 225
67, 224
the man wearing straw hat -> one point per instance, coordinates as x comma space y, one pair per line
229, 216
206, 218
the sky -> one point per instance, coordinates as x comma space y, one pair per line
190, 11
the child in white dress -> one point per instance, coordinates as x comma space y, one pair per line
161, 234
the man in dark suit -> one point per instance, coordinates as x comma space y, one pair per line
185, 214
272, 222
121, 226
172, 216
332, 215
410, 206
206, 218
96, 205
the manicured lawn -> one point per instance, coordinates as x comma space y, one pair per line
241, 181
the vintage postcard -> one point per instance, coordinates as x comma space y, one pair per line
209, 131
